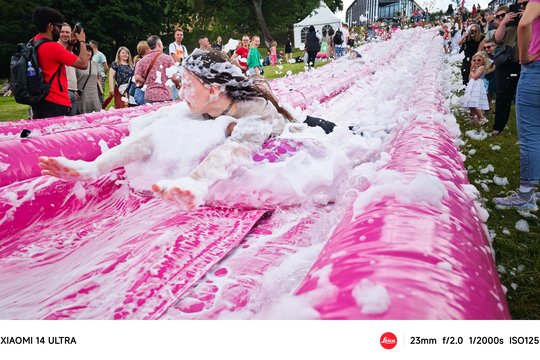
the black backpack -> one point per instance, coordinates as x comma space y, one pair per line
29, 90
338, 37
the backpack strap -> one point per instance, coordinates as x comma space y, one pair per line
56, 74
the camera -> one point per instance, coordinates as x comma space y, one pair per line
78, 28
516, 8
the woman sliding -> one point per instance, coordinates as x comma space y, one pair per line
247, 113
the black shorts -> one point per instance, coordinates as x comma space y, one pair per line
350, 42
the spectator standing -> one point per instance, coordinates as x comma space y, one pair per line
507, 72
52, 57
87, 82
120, 76
218, 45
528, 111
204, 44
273, 53
240, 55
151, 71
331, 46
178, 53
138, 97
288, 49
65, 38
312, 46
254, 59
475, 97
469, 43
340, 41
489, 80
101, 60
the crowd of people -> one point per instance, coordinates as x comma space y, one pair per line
501, 61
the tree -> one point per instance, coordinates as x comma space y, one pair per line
263, 15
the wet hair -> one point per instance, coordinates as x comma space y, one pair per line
213, 67
44, 15
152, 41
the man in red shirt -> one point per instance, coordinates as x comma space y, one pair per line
51, 57
240, 56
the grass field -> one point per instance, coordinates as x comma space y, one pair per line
517, 253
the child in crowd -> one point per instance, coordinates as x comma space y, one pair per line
254, 60
475, 97
273, 53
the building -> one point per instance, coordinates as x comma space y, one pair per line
375, 10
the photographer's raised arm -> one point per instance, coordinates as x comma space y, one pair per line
501, 30
82, 60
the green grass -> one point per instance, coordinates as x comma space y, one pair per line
518, 252
277, 71
10, 110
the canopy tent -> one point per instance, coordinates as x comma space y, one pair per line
322, 19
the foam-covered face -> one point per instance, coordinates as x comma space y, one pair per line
196, 94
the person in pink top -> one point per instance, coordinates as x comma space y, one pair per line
527, 111
152, 71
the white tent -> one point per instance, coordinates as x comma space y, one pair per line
321, 18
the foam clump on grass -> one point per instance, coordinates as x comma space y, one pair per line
522, 225
477, 134
487, 169
501, 181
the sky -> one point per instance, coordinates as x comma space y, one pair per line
441, 4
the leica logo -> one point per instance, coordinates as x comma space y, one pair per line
388, 340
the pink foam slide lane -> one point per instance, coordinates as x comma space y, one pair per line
74, 251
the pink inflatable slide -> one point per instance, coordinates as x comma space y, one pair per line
404, 239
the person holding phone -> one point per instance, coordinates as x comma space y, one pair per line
507, 64
469, 43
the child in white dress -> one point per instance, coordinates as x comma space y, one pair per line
475, 97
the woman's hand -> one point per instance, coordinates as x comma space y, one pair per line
185, 192
67, 169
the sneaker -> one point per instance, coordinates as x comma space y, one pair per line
517, 200
495, 133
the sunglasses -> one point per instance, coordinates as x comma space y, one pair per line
475, 60
488, 47
500, 16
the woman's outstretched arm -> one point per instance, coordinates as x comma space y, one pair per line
131, 149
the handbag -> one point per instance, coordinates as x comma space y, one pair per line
504, 56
